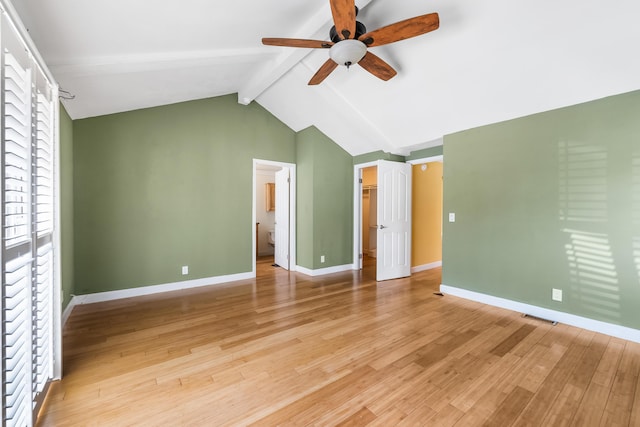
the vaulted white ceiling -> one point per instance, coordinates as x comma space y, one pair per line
490, 61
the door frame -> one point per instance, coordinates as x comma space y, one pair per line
292, 211
424, 160
357, 203
357, 213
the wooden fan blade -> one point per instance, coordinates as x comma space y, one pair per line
323, 72
401, 30
316, 44
344, 17
377, 66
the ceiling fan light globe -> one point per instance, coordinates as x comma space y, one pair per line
348, 52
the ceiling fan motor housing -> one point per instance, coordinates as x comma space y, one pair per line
335, 37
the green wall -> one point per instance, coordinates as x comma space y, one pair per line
424, 153
381, 155
159, 188
324, 201
549, 201
66, 206
377, 155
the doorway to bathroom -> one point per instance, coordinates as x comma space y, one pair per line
274, 223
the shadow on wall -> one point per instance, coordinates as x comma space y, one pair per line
596, 249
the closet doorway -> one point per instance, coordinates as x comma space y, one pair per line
369, 218
426, 250
426, 215
389, 229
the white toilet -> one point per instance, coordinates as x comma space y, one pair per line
271, 237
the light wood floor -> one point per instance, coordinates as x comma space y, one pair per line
287, 349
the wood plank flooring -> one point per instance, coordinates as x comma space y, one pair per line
288, 349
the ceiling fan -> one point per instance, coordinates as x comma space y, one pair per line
350, 40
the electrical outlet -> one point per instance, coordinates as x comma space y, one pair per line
556, 294
322, 258
185, 270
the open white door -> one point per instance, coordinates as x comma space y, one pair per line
282, 219
394, 220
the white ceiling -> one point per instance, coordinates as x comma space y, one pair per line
490, 61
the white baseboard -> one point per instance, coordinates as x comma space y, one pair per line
425, 267
156, 289
67, 311
611, 329
323, 271
176, 286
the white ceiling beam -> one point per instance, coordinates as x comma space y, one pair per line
118, 64
268, 74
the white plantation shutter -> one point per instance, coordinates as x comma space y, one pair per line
17, 241
18, 342
17, 152
42, 301
44, 166
30, 304
42, 314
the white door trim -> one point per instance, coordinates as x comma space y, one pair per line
292, 211
357, 212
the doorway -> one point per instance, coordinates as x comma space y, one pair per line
427, 209
392, 229
425, 202
274, 222
369, 219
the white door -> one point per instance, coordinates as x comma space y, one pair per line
394, 220
282, 219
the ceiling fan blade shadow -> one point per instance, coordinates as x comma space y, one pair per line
344, 17
323, 72
315, 44
401, 30
377, 66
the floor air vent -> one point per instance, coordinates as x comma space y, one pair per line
553, 322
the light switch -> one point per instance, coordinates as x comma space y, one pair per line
452, 217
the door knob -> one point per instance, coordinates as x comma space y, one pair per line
382, 226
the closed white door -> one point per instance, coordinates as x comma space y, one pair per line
282, 219
394, 220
